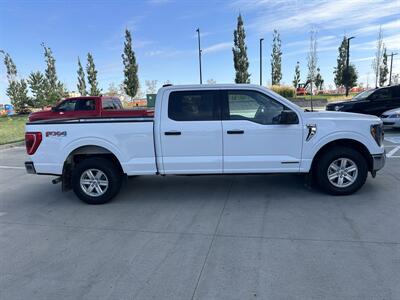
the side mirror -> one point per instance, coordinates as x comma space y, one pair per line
289, 117
53, 109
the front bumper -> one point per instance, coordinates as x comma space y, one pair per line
378, 161
30, 167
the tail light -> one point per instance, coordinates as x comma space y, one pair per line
32, 141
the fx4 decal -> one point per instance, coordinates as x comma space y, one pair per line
56, 133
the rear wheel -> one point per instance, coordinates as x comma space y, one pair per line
341, 171
96, 180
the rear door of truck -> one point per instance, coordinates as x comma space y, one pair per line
191, 132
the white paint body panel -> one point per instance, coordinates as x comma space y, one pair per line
204, 147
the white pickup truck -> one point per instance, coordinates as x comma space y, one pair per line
208, 129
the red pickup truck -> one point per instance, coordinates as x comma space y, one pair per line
89, 107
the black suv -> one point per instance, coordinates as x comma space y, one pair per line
371, 102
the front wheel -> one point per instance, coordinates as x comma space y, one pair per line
96, 180
341, 171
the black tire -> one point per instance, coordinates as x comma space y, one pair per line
112, 175
324, 161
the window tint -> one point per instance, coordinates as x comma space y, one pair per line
381, 94
85, 104
108, 104
194, 106
117, 104
396, 91
254, 106
67, 105
111, 103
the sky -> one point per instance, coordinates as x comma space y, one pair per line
165, 39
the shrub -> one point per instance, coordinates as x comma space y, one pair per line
284, 91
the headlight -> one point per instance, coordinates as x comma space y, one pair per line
338, 107
395, 116
377, 133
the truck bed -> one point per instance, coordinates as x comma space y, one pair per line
129, 139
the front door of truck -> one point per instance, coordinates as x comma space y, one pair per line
191, 132
254, 138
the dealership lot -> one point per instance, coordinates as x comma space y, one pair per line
200, 237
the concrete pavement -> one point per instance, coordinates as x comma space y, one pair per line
202, 237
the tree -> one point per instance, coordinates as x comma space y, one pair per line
151, 86
376, 63
340, 68
353, 76
55, 90
17, 90
296, 79
81, 86
131, 81
92, 76
112, 90
318, 80
11, 68
276, 59
211, 81
240, 60
38, 86
383, 69
312, 59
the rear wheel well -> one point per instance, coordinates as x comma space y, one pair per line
84, 152
353, 144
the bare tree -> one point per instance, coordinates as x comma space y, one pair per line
376, 63
211, 81
151, 86
312, 60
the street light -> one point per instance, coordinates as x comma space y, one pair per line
391, 65
198, 38
261, 40
347, 65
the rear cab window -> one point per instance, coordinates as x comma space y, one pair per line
111, 104
194, 106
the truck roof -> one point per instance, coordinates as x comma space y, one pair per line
215, 86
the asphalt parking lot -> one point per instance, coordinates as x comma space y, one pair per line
203, 237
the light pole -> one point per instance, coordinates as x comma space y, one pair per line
198, 38
347, 65
261, 40
391, 65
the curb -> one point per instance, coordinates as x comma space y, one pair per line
12, 145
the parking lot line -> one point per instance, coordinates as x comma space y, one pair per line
9, 167
393, 151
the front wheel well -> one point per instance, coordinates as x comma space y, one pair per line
82, 153
353, 144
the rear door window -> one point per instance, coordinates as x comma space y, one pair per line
194, 106
382, 94
85, 104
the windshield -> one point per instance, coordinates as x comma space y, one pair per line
363, 95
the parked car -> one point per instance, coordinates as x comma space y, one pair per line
371, 102
391, 118
208, 129
89, 107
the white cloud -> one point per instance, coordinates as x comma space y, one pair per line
326, 14
392, 43
374, 28
164, 53
218, 47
